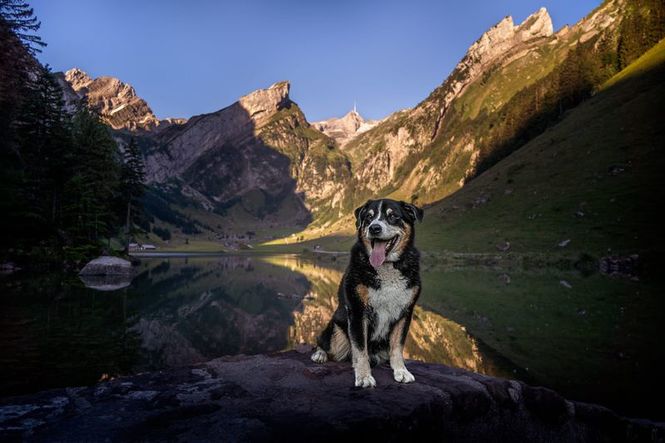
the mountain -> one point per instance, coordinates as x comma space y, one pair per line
493, 100
345, 128
260, 153
115, 101
581, 186
427, 152
259, 166
253, 164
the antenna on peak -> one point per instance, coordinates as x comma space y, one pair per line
355, 111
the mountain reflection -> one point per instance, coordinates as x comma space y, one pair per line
200, 308
432, 338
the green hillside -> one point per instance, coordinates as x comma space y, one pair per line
593, 179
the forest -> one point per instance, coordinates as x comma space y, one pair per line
66, 187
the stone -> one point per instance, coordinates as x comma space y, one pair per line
107, 265
106, 283
287, 396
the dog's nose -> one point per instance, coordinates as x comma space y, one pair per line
375, 229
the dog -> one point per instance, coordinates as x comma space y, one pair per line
377, 293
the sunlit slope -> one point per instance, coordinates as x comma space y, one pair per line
595, 179
511, 80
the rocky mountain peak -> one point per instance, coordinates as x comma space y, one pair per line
505, 35
538, 24
115, 101
345, 128
500, 44
77, 78
263, 103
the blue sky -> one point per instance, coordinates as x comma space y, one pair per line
191, 57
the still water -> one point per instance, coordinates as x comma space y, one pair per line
182, 310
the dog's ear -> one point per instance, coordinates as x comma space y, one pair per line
360, 213
413, 212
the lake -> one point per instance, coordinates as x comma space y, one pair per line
590, 337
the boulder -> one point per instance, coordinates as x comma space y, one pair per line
107, 265
286, 396
106, 283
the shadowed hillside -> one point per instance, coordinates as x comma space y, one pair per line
592, 179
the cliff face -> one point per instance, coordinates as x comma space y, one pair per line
261, 146
259, 155
181, 147
115, 101
286, 396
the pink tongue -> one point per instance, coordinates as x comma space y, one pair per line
378, 255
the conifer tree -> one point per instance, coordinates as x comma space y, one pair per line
132, 184
94, 184
21, 20
42, 134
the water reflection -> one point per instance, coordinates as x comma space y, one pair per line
596, 339
194, 309
57, 331
432, 337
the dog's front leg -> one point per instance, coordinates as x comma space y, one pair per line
359, 352
397, 338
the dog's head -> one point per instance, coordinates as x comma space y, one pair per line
386, 228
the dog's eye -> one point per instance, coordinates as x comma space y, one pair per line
393, 217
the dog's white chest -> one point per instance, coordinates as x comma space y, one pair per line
389, 300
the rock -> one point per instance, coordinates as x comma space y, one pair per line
505, 279
287, 396
620, 266
564, 243
503, 247
111, 282
107, 265
616, 169
8, 267
565, 284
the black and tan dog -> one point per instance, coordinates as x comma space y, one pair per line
377, 293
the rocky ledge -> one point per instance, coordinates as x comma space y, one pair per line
286, 396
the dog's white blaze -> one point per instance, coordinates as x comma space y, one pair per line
375, 220
389, 300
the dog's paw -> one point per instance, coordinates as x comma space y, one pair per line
403, 376
319, 356
365, 381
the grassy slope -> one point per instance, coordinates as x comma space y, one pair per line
601, 333
591, 178
566, 184
603, 160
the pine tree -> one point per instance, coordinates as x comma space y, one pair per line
21, 20
132, 177
42, 135
93, 188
